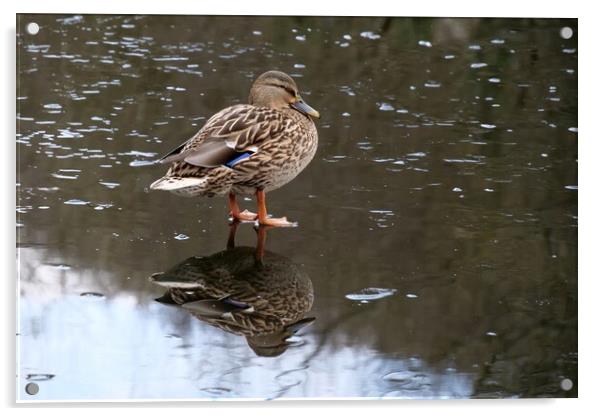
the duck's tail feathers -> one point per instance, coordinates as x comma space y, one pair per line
179, 184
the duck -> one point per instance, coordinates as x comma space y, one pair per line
247, 149
246, 291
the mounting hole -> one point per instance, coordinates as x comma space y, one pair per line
32, 28
566, 32
566, 384
32, 389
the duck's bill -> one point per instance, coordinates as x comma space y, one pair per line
305, 109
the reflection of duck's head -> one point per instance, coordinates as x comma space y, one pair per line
264, 301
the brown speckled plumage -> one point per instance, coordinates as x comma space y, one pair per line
270, 297
282, 139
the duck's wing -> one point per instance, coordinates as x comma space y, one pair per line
228, 137
217, 308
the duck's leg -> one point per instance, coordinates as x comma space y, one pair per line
235, 210
262, 213
232, 235
262, 231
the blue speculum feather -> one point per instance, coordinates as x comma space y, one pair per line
240, 157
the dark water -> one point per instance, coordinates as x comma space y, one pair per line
438, 220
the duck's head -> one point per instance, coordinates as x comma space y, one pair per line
275, 89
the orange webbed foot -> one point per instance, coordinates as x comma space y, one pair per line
276, 222
244, 216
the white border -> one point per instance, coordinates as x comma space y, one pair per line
589, 188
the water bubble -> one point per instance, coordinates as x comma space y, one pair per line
300, 38
411, 296
573, 129
425, 43
257, 32
456, 189
488, 126
181, 237
566, 32
572, 187
478, 65
491, 334
494, 80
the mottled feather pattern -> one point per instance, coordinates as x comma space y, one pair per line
278, 291
285, 142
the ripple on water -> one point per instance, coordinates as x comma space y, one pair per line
475, 161
70, 174
416, 154
39, 377
370, 35
410, 380
76, 202
216, 391
385, 107
110, 185
371, 294
138, 163
92, 295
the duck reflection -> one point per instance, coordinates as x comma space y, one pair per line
245, 291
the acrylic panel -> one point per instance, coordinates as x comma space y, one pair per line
435, 247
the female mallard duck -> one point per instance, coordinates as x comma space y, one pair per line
245, 291
247, 149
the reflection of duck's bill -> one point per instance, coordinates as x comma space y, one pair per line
168, 281
166, 299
